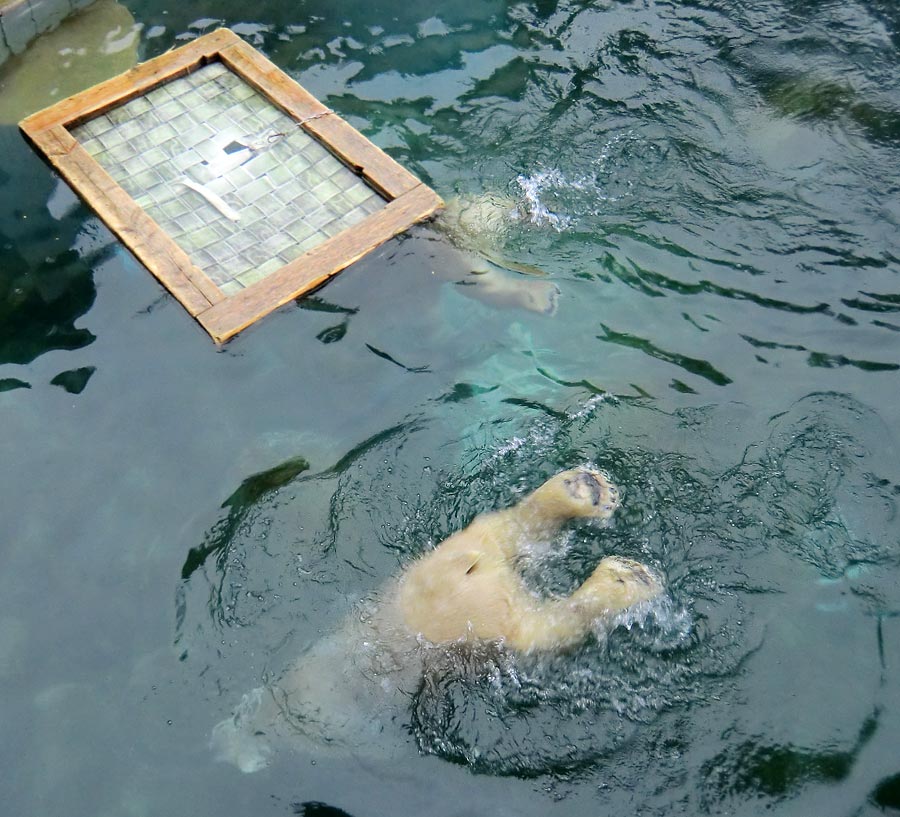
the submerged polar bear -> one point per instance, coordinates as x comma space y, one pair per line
478, 226
465, 591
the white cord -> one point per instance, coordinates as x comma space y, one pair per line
318, 115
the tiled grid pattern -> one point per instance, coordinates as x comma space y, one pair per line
287, 191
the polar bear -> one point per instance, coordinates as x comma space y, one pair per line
478, 226
466, 591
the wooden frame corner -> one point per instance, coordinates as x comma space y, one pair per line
406, 199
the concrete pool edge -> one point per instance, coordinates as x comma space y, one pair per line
22, 21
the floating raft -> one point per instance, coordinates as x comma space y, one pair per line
234, 186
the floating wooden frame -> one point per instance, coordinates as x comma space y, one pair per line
233, 185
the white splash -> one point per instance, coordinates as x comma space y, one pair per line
554, 199
534, 186
539, 438
587, 408
671, 624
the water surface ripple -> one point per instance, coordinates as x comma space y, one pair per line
714, 188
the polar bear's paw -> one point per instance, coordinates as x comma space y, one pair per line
617, 584
593, 491
579, 493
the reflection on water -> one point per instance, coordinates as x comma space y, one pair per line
778, 771
45, 283
713, 189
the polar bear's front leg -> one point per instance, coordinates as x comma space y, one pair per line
494, 285
469, 587
552, 624
579, 493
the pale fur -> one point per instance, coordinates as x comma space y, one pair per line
478, 226
468, 589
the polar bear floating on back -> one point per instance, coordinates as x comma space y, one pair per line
466, 591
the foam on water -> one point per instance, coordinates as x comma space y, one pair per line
586, 409
534, 186
556, 198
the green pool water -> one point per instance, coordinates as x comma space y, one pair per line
714, 189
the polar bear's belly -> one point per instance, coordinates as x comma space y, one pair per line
461, 593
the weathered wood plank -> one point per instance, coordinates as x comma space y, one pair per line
315, 267
341, 138
367, 159
224, 317
271, 81
53, 142
134, 227
141, 78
